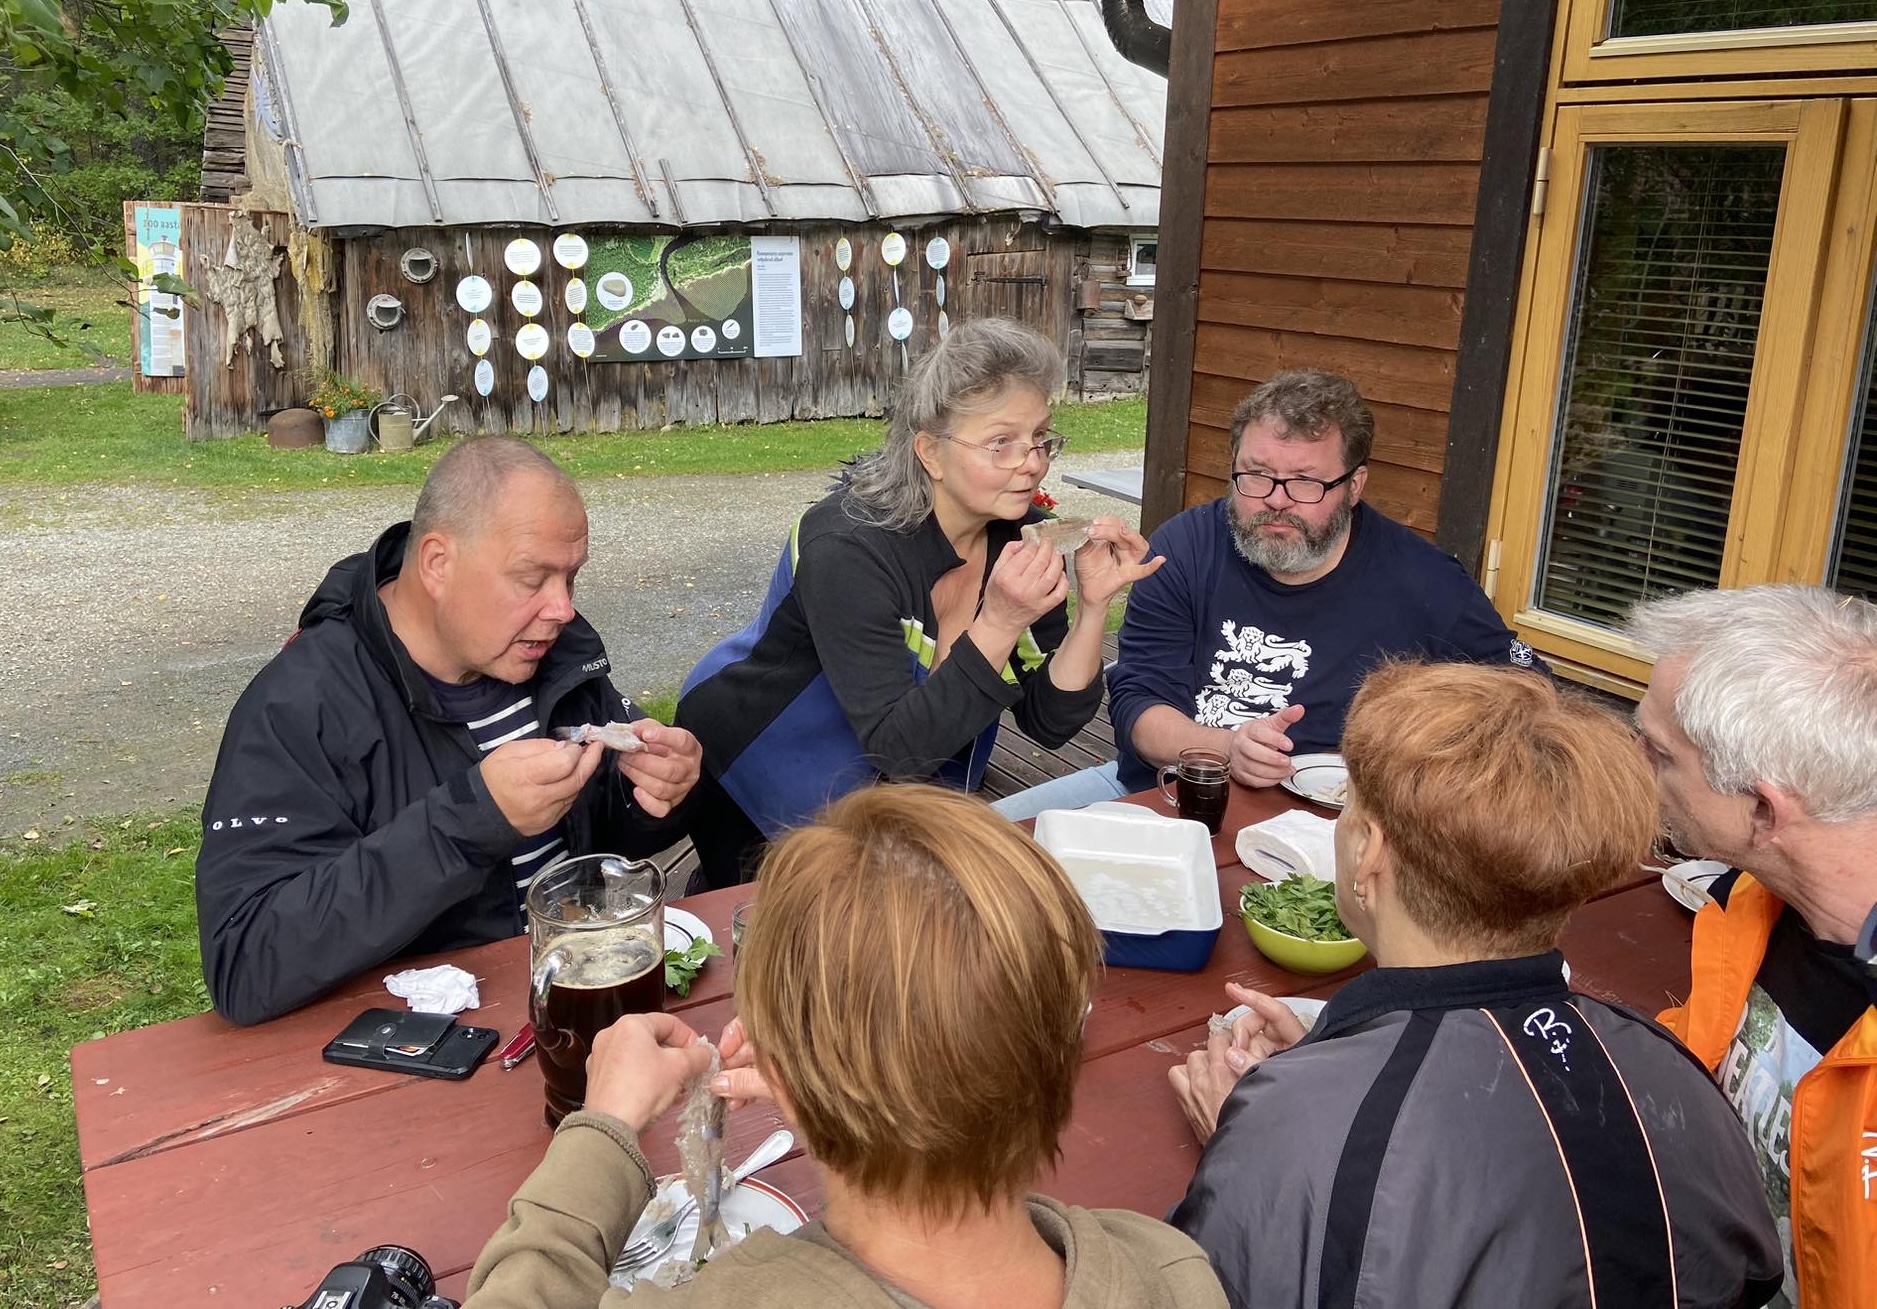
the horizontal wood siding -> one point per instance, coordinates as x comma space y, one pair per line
1341, 182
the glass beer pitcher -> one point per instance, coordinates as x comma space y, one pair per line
596, 928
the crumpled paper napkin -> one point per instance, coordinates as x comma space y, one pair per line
445, 989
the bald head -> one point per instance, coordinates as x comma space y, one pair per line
464, 490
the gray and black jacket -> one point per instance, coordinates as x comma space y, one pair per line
1478, 1136
347, 822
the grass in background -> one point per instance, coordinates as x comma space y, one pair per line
69, 435
98, 936
88, 314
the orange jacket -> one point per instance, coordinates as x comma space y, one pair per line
1833, 1135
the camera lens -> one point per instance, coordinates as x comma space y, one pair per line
410, 1276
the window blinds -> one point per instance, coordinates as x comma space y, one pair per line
1664, 319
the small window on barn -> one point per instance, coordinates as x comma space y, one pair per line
1143, 252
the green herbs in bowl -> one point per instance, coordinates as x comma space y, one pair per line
1294, 924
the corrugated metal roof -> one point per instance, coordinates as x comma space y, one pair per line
703, 112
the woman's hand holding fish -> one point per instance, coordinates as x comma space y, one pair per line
639, 1066
1113, 557
741, 1082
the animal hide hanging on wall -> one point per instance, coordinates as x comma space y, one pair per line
243, 285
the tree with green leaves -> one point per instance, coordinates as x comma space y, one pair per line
115, 59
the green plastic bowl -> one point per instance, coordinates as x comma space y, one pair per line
1301, 956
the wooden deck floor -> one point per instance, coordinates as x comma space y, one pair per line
1018, 763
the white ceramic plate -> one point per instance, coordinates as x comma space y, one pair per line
682, 928
1698, 873
753, 1204
1318, 778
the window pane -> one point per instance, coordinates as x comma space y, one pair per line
1665, 315
1659, 17
1854, 557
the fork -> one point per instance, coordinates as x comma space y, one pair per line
655, 1242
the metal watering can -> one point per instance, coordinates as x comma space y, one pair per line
396, 425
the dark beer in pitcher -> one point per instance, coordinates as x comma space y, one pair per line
606, 975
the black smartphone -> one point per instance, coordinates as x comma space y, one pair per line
425, 1045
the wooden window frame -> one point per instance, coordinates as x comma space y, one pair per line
1746, 52
1762, 541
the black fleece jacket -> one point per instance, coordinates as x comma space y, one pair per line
348, 823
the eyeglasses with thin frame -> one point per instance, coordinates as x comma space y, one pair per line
1302, 490
1015, 451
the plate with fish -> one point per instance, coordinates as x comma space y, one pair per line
1319, 778
753, 1204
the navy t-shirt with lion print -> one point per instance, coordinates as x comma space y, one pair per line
1223, 641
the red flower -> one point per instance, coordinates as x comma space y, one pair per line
1043, 500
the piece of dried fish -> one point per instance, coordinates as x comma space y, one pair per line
1064, 534
700, 1150
614, 736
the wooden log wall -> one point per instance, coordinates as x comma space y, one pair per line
997, 266
224, 133
1340, 174
1112, 357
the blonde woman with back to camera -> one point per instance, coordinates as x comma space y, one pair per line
913, 992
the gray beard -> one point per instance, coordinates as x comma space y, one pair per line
1302, 554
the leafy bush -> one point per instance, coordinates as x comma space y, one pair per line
50, 248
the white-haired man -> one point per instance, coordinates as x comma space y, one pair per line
1761, 724
388, 784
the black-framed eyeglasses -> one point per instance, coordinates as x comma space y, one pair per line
1303, 490
1014, 451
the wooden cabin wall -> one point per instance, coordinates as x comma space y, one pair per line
998, 266
226, 401
224, 133
1112, 356
1340, 174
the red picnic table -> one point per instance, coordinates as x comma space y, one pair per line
234, 1166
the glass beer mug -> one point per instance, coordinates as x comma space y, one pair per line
596, 927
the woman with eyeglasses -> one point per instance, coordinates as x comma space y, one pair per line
907, 612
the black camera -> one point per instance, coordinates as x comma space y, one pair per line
384, 1277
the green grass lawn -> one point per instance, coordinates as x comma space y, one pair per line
87, 314
59, 436
96, 936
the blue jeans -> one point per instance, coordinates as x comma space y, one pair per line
1071, 792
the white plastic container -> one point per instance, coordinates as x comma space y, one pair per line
1149, 882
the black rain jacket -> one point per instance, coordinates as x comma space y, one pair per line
347, 822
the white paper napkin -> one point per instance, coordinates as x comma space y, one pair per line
1294, 842
445, 989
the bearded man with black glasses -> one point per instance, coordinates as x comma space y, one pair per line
1273, 603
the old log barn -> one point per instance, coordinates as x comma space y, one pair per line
586, 215
1604, 267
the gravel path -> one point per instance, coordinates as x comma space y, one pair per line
15, 378
140, 613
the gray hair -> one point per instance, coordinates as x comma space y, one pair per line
1781, 688
965, 373
1306, 402
465, 485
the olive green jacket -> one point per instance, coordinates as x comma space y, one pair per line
574, 1212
